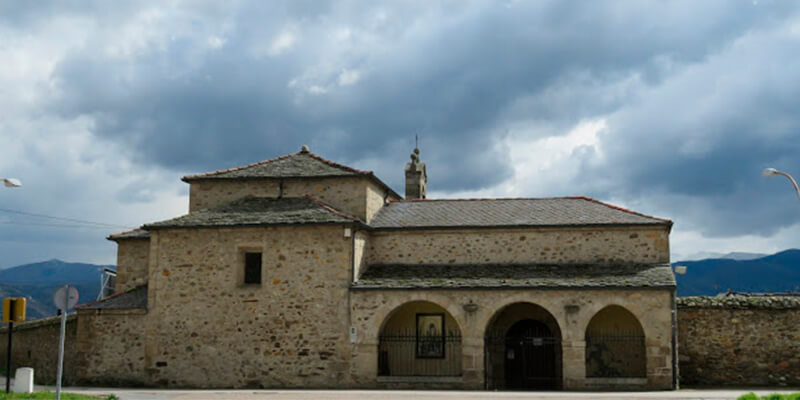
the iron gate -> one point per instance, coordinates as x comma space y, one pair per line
526, 357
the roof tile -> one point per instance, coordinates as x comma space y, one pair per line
559, 211
260, 211
452, 276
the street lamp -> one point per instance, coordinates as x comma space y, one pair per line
11, 182
775, 172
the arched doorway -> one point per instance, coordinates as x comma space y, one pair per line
523, 349
615, 345
419, 338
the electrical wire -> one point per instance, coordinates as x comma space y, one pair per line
74, 220
58, 225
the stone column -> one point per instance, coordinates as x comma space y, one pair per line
573, 355
472, 362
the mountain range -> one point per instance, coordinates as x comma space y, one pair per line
779, 272
741, 272
38, 281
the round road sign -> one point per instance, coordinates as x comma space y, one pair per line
65, 297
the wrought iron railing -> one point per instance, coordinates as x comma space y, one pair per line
419, 355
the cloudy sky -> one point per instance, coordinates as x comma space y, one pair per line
669, 108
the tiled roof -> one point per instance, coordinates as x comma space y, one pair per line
135, 298
587, 276
131, 234
559, 211
303, 164
259, 211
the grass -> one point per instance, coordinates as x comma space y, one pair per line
774, 396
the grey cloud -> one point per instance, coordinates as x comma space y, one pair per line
451, 73
703, 137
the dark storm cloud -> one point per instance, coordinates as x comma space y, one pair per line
697, 144
453, 74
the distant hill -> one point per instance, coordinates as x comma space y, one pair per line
38, 281
779, 272
736, 255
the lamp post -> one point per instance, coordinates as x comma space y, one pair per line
11, 182
775, 172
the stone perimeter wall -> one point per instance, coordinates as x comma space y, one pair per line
739, 341
110, 348
35, 345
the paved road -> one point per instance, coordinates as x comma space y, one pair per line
144, 394
160, 394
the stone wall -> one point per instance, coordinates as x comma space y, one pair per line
739, 341
204, 328
111, 348
571, 309
360, 239
355, 195
565, 245
132, 259
35, 345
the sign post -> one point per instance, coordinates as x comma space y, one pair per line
65, 297
13, 311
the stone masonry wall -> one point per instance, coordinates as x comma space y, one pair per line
573, 245
35, 345
205, 328
132, 259
571, 309
359, 253
739, 341
111, 347
354, 195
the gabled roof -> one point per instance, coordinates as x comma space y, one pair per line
135, 298
483, 213
303, 164
260, 211
451, 276
137, 233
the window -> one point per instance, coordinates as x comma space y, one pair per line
252, 268
430, 336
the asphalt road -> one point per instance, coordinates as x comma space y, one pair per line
162, 394
145, 394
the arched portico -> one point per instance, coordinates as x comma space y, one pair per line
419, 338
615, 345
523, 349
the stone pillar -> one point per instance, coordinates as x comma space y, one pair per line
573, 355
472, 355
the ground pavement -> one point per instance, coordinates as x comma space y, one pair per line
164, 394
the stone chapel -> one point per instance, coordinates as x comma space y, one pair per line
299, 272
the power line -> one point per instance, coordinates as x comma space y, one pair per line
54, 225
80, 221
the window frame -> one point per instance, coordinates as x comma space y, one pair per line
244, 267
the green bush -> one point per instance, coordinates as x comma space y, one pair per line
774, 396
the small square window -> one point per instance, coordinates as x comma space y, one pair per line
252, 268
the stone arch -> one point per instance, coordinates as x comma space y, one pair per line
419, 338
615, 345
523, 348
392, 304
